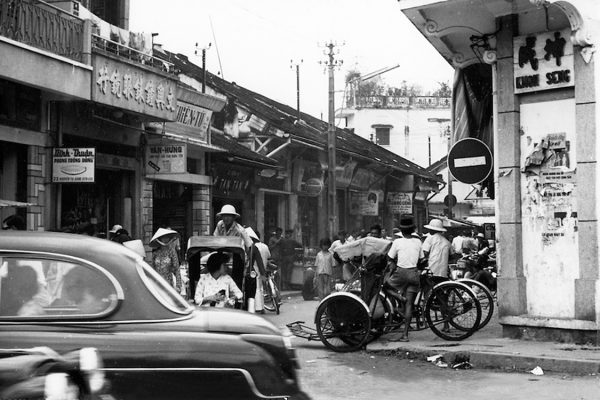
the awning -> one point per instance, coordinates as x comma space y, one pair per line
191, 179
480, 220
203, 100
12, 203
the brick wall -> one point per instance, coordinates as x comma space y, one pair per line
201, 218
36, 187
146, 205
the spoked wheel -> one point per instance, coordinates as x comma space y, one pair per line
485, 297
453, 311
382, 310
343, 322
271, 296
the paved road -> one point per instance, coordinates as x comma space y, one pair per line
327, 375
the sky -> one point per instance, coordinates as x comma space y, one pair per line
257, 39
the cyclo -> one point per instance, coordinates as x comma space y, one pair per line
366, 308
231, 245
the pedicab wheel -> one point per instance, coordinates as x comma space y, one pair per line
453, 311
485, 297
343, 322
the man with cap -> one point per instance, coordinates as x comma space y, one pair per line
228, 226
113, 231
405, 253
437, 248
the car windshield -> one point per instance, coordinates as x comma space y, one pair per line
161, 289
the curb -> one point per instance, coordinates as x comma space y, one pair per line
499, 361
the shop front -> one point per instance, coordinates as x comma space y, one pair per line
543, 96
234, 184
23, 172
308, 184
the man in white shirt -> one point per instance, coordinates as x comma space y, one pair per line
437, 248
457, 243
405, 278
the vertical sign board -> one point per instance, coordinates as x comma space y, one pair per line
549, 221
73, 165
166, 159
543, 61
400, 202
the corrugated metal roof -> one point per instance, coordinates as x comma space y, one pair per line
240, 151
310, 130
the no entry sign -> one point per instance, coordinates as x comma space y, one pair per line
470, 161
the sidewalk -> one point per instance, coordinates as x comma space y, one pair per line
487, 349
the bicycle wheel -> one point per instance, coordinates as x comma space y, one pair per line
343, 322
381, 309
453, 311
485, 297
271, 296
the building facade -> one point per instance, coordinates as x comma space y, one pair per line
545, 82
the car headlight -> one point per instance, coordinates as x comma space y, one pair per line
58, 386
90, 364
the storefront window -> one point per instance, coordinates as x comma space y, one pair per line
19, 105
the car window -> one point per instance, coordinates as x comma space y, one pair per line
36, 287
161, 289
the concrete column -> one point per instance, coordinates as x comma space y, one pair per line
36, 188
146, 201
260, 214
586, 154
512, 283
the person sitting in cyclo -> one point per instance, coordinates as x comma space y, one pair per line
216, 288
405, 253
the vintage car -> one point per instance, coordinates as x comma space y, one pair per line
70, 291
41, 373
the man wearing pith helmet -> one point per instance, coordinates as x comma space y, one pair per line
437, 248
228, 226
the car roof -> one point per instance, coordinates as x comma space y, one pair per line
82, 246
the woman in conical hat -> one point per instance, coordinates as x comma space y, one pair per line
164, 257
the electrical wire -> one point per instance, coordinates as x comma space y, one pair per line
216, 47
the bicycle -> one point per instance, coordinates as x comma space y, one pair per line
271, 293
347, 321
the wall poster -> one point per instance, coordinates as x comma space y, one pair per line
365, 203
549, 206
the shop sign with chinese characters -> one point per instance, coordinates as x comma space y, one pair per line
166, 159
543, 61
125, 86
73, 165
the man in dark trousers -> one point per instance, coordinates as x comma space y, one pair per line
287, 252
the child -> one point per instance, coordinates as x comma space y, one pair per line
323, 269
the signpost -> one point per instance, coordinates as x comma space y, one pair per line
470, 161
73, 165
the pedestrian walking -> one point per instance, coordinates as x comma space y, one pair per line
259, 257
324, 269
287, 248
164, 257
437, 248
405, 253
339, 263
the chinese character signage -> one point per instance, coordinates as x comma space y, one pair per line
166, 159
400, 202
126, 86
543, 61
73, 165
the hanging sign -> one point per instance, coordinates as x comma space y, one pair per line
365, 203
543, 61
399, 202
73, 165
166, 159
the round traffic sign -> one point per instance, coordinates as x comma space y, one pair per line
470, 161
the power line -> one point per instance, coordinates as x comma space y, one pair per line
216, 46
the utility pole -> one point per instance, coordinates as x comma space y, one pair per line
331, 63
297, 64
444, 132
203, 50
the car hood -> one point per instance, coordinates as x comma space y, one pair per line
232, 321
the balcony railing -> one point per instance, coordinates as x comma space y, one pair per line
99, 42
43, 26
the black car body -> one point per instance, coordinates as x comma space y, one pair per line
154, 345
